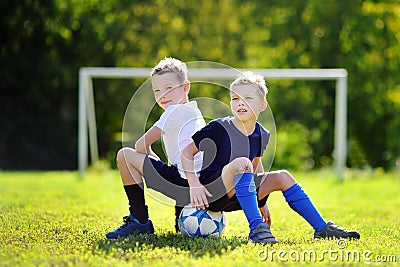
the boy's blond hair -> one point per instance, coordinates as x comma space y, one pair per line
252, 78
171, 65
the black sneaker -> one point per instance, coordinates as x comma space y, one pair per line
130, 226
331, 230
262, 234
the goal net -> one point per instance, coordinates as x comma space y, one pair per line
87, 129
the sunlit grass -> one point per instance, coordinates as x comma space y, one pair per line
56, 218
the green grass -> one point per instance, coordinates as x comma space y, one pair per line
57, 219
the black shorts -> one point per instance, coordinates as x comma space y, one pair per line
167, 180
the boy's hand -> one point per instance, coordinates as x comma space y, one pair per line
198, 196
266, 215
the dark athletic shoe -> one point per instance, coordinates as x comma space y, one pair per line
262, 234
331, 230
130, 226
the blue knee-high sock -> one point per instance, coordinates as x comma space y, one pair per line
247, 196
299, 201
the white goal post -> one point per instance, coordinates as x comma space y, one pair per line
87, 118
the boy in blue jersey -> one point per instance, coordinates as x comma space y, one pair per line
232, 176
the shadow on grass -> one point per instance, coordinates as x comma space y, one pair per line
196, 246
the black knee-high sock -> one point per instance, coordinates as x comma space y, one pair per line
178, 210
137, 205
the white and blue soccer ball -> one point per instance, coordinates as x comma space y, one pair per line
201, 223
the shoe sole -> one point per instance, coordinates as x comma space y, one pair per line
335, 237
145, 235
263, 243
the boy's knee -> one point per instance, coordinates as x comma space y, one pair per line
242, 165
286, 177
122, 154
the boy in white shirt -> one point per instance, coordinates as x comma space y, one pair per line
180, 120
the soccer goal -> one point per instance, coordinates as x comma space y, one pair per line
87, 130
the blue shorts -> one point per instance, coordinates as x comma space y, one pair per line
167, 180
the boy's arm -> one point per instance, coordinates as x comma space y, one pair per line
198, 193
143, 144
257, 165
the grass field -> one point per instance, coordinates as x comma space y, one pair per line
58, 219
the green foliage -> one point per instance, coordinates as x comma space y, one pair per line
57, 219
294, 151
44, 43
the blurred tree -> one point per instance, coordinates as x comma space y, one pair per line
361, 36
44, 43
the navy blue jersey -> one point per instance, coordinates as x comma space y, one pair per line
222, 142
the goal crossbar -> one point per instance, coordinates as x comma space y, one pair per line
86, 109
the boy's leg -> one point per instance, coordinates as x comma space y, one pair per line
178, 210
130, 166
238, 178
300, 202
275, 181
258, 178
167, 180
295, 196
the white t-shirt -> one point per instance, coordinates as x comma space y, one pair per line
178, 123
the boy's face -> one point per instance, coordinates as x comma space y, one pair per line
247, 102
168, 90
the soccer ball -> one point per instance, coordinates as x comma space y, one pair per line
202, 223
